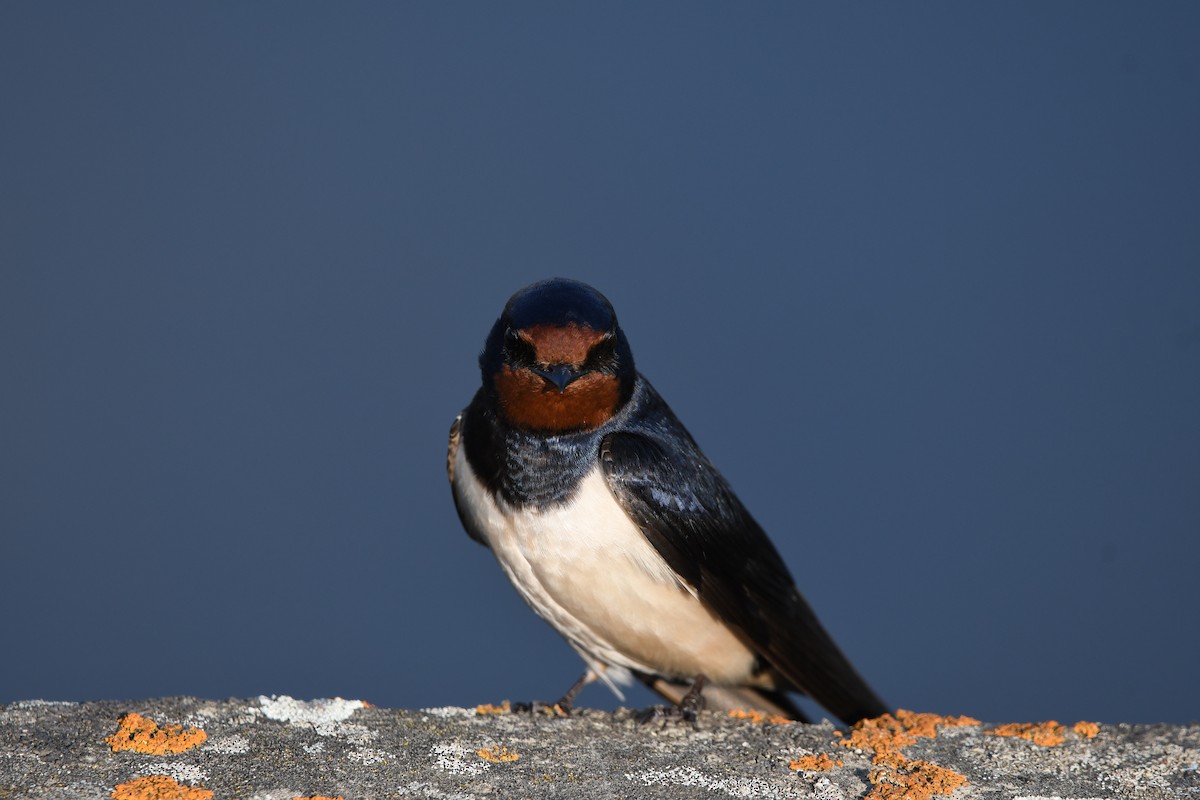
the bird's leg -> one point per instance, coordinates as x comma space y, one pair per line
693, 702
565, 702
563, 707
688, 709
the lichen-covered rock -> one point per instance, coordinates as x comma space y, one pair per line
278, 748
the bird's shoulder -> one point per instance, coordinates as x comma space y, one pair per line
682, 502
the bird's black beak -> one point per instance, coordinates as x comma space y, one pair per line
560, 375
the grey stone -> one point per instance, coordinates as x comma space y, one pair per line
279, 748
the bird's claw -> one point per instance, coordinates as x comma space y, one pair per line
684, 712
538, 708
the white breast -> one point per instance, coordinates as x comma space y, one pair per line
586, 569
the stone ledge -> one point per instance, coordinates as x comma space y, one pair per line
279, 748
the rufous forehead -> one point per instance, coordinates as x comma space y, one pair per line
561, 344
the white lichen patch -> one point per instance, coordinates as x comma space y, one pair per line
449, 711
183, 773
325, 717
825, 789
314, 748
229, 745
734, 787
457, 760
42, 703
1139, 780
245, 715
354, 734
308, 712
368, 756
201, 721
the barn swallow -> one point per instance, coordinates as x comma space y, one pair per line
618, 531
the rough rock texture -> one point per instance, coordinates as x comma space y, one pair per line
279, 748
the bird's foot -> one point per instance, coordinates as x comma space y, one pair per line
665, 714
562, 708
688, 710
538, 708
658, 713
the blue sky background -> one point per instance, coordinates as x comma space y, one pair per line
924, 282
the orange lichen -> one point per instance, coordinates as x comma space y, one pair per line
887, 734
143, 735
497, 754
926, 725
158, 787
1087, 730
1046, 734
815, 763
489, 708
896, 777
758, 717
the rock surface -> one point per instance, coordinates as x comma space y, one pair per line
277, 748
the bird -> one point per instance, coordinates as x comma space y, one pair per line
618, 531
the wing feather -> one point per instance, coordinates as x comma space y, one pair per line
691, 516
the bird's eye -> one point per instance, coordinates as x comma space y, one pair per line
603, 355
520, 353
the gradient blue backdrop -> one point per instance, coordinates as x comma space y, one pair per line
924, 281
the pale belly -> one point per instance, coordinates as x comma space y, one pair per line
587, 570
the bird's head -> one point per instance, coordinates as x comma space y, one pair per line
556, 361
